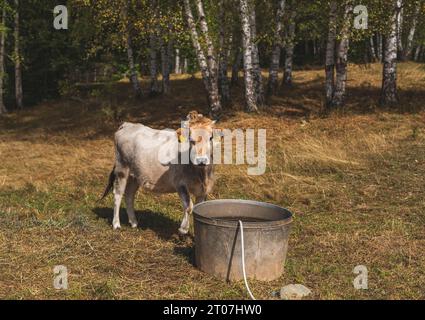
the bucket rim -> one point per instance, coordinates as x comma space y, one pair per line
252, 225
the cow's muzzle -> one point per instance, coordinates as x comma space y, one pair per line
202, 161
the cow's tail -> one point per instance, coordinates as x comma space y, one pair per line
109, 185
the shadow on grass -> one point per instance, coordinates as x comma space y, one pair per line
163, 226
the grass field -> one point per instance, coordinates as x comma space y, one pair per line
354, 180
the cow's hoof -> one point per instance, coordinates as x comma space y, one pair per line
133, 225
183, 232
116, 226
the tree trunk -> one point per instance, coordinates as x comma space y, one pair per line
153, 65
165, 66
17, 58
417, 52
379, 46
330, 54
247, 44
257, 76
389, 78
236, 65
215, 102
341, 57
223, 57
372, 50
177, 69
130, 56
399, 31
289, 52
277, 45
2, 56
409, 45
208, 70
185, 64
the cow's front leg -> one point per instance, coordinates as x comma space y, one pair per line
187, 209
200, 199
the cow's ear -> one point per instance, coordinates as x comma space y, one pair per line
180, 136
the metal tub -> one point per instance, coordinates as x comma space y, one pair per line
266, 229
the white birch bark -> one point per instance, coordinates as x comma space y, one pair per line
177, 69
399, 4
208, 69
379, 46
330, 54
257, 76
342, 57
372, 50
389, 73
215, 103
247, 44
223, 56
409, 44
185, 65
289, 51
417, 53
276, 49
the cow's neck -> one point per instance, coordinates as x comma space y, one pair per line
201, 174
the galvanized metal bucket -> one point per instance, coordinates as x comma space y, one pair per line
266, 229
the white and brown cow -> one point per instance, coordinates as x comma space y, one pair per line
151, 159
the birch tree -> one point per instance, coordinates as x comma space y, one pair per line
177, 67
223, 55
247, 45
389, 74
276, 49
153, 65
379, 46
289, 51
372, 50
165, 66
342, 57
207, 64
257, 76
399, 26
18, 60
417, 53
330, 54
409, 44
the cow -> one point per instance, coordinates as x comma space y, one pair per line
149, 158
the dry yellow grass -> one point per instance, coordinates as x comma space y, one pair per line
354, 181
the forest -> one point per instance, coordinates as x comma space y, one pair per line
338, 85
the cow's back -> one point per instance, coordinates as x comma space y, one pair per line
141, 149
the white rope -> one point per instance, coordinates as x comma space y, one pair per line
243, 262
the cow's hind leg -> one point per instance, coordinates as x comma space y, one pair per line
130, 193
187, 208
121, 176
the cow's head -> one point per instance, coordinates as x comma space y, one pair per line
200, 131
